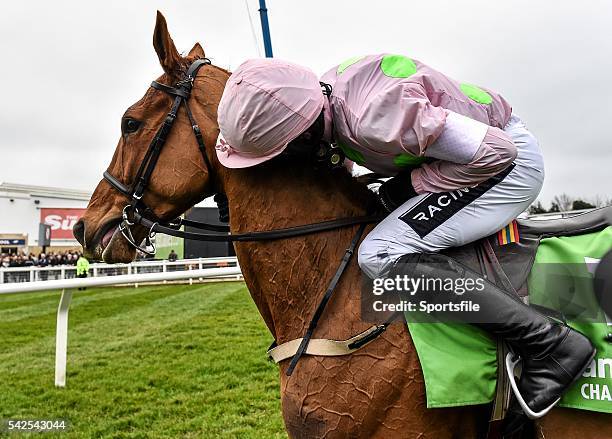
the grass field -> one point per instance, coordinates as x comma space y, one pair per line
155, 361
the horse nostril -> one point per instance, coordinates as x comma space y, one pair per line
79, 232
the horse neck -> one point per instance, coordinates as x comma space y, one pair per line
287, 277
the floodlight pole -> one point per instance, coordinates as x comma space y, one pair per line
265, 28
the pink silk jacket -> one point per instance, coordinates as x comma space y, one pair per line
390, 113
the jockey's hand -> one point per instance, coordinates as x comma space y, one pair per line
396, 191
223, 206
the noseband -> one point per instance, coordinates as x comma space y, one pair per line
136, 207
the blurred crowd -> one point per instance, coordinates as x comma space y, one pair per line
22, 259
52, 259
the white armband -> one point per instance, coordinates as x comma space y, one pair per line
459, 140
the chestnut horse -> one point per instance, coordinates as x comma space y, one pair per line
376, 392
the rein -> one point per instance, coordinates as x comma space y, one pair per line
266, 235
135, 213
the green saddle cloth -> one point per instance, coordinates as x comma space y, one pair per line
459, 361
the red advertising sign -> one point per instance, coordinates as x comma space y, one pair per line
61, 221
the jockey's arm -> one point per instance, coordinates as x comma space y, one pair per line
402, 120
396, 120
494, 154
466, 152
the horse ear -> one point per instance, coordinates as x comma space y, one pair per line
169, 58
196, 52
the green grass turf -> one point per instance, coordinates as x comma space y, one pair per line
154, 361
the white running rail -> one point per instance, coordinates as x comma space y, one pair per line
34, 273
69, 285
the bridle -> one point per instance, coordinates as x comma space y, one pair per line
135, 191
136, 211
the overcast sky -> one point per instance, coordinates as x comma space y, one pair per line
70, 69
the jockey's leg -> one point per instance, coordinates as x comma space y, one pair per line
553, 355
433, 222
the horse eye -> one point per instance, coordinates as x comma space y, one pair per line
129, 125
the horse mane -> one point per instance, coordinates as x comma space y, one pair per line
290, 173
221, 69
330, 193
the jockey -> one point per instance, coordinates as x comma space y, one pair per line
463, 165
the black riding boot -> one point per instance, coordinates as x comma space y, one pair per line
553, 355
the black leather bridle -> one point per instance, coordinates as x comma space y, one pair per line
136, 212
132, 211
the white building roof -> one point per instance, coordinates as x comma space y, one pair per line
10, 190
24, 190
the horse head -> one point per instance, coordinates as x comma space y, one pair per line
182, 175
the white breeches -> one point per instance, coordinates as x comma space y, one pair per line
436, 221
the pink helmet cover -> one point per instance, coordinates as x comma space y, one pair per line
266, 104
